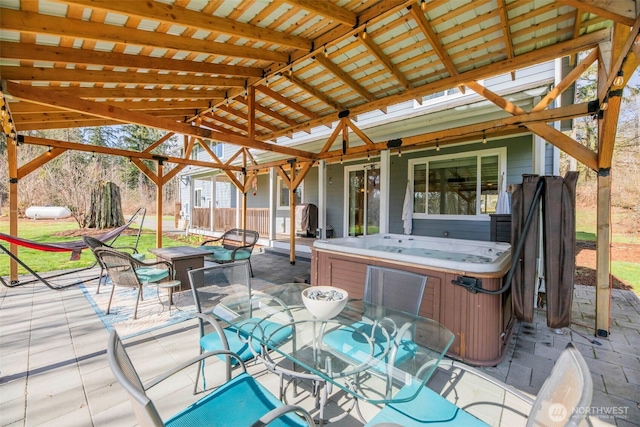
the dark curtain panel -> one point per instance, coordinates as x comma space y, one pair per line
523, 284
558, 208
559, 243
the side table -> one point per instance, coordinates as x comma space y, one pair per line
170, 285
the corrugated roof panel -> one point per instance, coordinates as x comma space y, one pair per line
158, 52
197, 5
47, 40
50, 8
9, 62
104, 46
132, 49
116, 19
9, 36
200, 34
176, 30
148, 25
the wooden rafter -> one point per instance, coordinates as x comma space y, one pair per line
329, 10
34, 164
314, 92
59, 54
275, 95
345, 77
622, 11
358, 132
31, 22
386, 62
126, 116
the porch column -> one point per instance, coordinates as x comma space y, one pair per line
322, 198
12, 157
603, 254
213, 196
273, 203
159, 185
385, 175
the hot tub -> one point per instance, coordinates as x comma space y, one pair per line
481, 322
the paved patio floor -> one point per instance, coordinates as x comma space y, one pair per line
54, 371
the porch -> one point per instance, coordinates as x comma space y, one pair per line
65, 379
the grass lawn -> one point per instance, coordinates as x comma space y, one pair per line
46, 232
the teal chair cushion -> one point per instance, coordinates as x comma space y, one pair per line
352, 343
213, 248
239, 402
427, 409
150, 274
224, 255
139, 257
238, 341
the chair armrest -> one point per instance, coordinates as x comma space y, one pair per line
217, 239
282, 410
135, 251
193, 361
216, 326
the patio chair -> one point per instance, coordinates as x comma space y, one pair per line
211, 286
563, 400
395, 289
125, 270
240, 401
94, 244
235, 244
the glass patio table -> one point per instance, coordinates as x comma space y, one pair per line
373, 353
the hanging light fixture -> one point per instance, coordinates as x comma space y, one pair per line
423, 5
364, 32
326, 52
605, 104
484, 137
437, 146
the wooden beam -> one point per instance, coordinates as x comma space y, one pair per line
327, 9
375, 50
122, 153
68, 55
506, 28
622, 11
42, 159
433, 39
345, 77
286, 101
567, 81
64, 101
137, 93
120, 77
528, 59
35, 23
170, 14
314, 92
358, 132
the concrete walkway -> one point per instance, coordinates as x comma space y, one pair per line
54, 372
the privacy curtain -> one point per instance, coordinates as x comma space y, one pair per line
558, 232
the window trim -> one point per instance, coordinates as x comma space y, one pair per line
501, 152
279, 186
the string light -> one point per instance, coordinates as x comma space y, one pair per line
619, 80
326, 52
484, 137
423, 5
341, 159
399, 152
368, 156
437, 146
364, 32
605, 104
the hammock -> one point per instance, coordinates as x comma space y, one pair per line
75, 247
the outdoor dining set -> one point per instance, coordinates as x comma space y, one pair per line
376, 350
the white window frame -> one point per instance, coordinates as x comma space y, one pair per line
446, 97
502, 169
280, 185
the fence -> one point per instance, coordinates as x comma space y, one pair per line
225, 219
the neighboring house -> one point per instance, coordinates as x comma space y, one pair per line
367, 196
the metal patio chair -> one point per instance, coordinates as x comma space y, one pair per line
124, 270
240, 401
563, 400
94, 244
211, 286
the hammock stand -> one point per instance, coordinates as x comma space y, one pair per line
75, 247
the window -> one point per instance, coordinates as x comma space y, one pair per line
283, 194
441, 96
451, 186
197, 198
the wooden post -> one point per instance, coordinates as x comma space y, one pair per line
159, 185
292, 215
603, 254
12, 157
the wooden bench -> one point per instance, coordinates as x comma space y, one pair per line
233, 245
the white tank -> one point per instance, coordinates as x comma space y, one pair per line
47, 212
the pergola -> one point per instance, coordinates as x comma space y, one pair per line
256, 73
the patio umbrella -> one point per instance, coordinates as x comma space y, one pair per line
503, 206
407, 210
